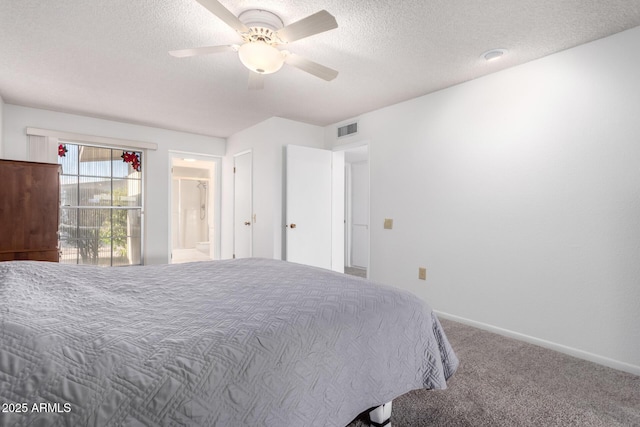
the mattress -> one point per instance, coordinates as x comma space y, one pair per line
224, 343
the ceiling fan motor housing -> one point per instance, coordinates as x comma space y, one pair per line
262, 25
261, 34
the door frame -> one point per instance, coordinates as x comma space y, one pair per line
348, 147
235, 156
217, 205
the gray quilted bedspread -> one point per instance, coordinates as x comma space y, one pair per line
251, 342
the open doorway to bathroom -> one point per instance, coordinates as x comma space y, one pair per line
194, 217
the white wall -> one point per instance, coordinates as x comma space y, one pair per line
157, 191
520, 193
267, 140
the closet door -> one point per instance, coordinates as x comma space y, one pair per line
242, 206
29, 211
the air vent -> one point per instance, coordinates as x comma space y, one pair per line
347, 130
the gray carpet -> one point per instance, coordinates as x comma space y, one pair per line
505, 382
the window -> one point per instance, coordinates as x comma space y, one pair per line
101, 212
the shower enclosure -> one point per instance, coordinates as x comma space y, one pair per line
192, 213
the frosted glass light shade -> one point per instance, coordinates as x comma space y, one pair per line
260, 57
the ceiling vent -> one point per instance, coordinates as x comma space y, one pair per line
346, 130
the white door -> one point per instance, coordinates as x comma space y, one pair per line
242, 205
309, 198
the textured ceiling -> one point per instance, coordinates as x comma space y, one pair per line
109, 58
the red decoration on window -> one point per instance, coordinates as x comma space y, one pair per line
62, 150
133, 159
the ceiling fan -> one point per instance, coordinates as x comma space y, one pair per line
261, 32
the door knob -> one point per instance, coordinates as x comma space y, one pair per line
292, 225
247, 223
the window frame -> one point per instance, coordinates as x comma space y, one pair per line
111, 207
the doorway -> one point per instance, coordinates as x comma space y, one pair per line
356, 233
325, 227
194, 208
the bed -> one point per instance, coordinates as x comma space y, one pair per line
250, 342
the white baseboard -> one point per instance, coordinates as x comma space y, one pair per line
611, 363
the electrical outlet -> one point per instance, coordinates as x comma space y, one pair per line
422, 273
388, 223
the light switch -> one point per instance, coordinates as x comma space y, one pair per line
388, 223
422, 273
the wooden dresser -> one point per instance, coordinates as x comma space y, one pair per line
29, 211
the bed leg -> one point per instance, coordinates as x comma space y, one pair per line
381, 416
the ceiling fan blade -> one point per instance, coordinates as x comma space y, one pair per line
256, 81
311, 67
224, 14
202, 50
314, 24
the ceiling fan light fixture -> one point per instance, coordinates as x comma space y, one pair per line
261, 57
